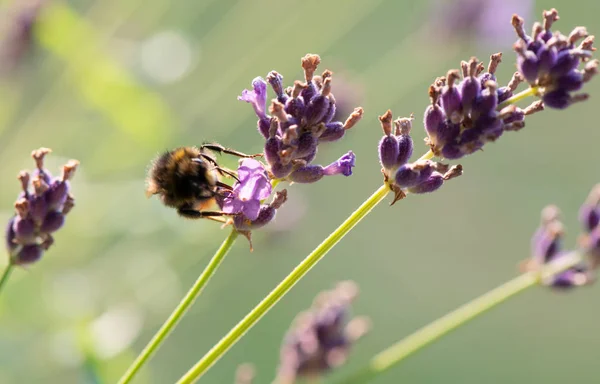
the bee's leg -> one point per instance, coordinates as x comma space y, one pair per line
190, 213
221, 149
228, 172
224, 186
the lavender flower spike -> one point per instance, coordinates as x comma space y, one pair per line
321, 338
257, 97
253, 186
40, 210
546, 248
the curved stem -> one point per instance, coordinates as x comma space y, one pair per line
183, 306
6, 275
276, 294
447, 323
518, 97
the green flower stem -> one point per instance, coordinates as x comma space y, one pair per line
5, 275
445, 324
518, 97
272, 298
183, 306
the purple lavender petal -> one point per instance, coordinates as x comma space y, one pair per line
257, 97
343, 166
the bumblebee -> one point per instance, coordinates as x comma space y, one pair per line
187, 178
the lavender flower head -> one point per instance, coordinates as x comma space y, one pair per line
301, 117
466, 114
245, 202
546, 247
589, 216
550, 60
40, 210
395, 149
320, 338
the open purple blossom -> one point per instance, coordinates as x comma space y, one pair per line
320, 338
253, 187
550, 60
40, 210
546, 247
301, 117
257, 97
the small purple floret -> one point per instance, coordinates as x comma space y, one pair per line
253, 186
257, 97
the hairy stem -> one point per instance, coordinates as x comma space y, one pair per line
181, 309
406, 347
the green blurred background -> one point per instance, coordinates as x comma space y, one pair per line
113, 83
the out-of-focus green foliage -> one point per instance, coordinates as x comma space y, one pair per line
113, 83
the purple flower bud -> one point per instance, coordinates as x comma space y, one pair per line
312, 173
589, 213
10, 236
572, 81
257, 97
333, 131
405, 149
263, 126
53, 221
558, 99
265, 215
589, 216
470, 88
434, 182
56, 195
316, 109
331, 111
432, 121
409, 175
388, 152
307, 174
281, 171
487, 102
528, 66
452, 152
295, 107
311, 156
309, 92
307, 143
504, 93
276, 81
24, 230
450, 97
272, 148
485, 77
573, 277
547, 58
566, 61
27, 255
38, 208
